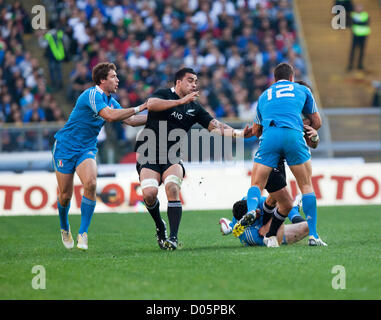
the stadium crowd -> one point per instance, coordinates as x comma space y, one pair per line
234, 46
24, 94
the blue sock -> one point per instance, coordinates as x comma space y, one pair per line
253, 196
294, 213
310, 210
63, 213
87, 210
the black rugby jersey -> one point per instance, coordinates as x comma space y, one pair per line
180, 117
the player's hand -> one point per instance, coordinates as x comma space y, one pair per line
311, 136
310, 132
256, 130
248, 131
263, 230
189, 97
143, 106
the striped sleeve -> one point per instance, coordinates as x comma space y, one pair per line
96, 101
258, 116
310, 104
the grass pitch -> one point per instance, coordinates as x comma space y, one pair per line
125, 262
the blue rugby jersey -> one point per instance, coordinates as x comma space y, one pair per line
283, 103
81, 130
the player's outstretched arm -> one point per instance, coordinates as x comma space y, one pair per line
223, 129
111, 115
136, 121
157, 104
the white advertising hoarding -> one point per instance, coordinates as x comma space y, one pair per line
205, 187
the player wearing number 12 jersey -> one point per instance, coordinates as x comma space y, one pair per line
279, 125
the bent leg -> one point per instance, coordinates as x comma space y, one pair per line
303, 173
259, 177
149, 182
87, 173
283, 199
172, 178
295, 232
65, 192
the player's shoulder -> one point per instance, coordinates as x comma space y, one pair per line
165, 93
90, 93
302, 88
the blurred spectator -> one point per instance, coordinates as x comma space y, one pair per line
35, 113
360, 32
376, 102
54, 43
348, 6
80, 81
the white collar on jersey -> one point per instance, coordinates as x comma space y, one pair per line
99, 89
173, 89
283, 80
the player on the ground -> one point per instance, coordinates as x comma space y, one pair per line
75, 147
169, 110
280, 126
253, 235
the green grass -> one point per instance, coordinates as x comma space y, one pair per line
124, 261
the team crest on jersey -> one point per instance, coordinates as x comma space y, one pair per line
60, 164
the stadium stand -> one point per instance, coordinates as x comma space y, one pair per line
347, 97
233, 45
24, 94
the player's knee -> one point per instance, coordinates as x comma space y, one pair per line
172, 186
285, 207
149, 189
64, 198
172, 190
149, 197
90, 186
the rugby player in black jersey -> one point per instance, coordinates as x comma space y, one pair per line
168, 110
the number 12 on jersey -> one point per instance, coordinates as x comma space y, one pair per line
282, 90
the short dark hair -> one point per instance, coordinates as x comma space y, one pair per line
179, 75
239, 209
283, 71
101, 70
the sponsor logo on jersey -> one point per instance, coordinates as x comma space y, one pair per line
177, 115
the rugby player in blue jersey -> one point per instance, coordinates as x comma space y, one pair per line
253, 234
280, 127
75, 147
